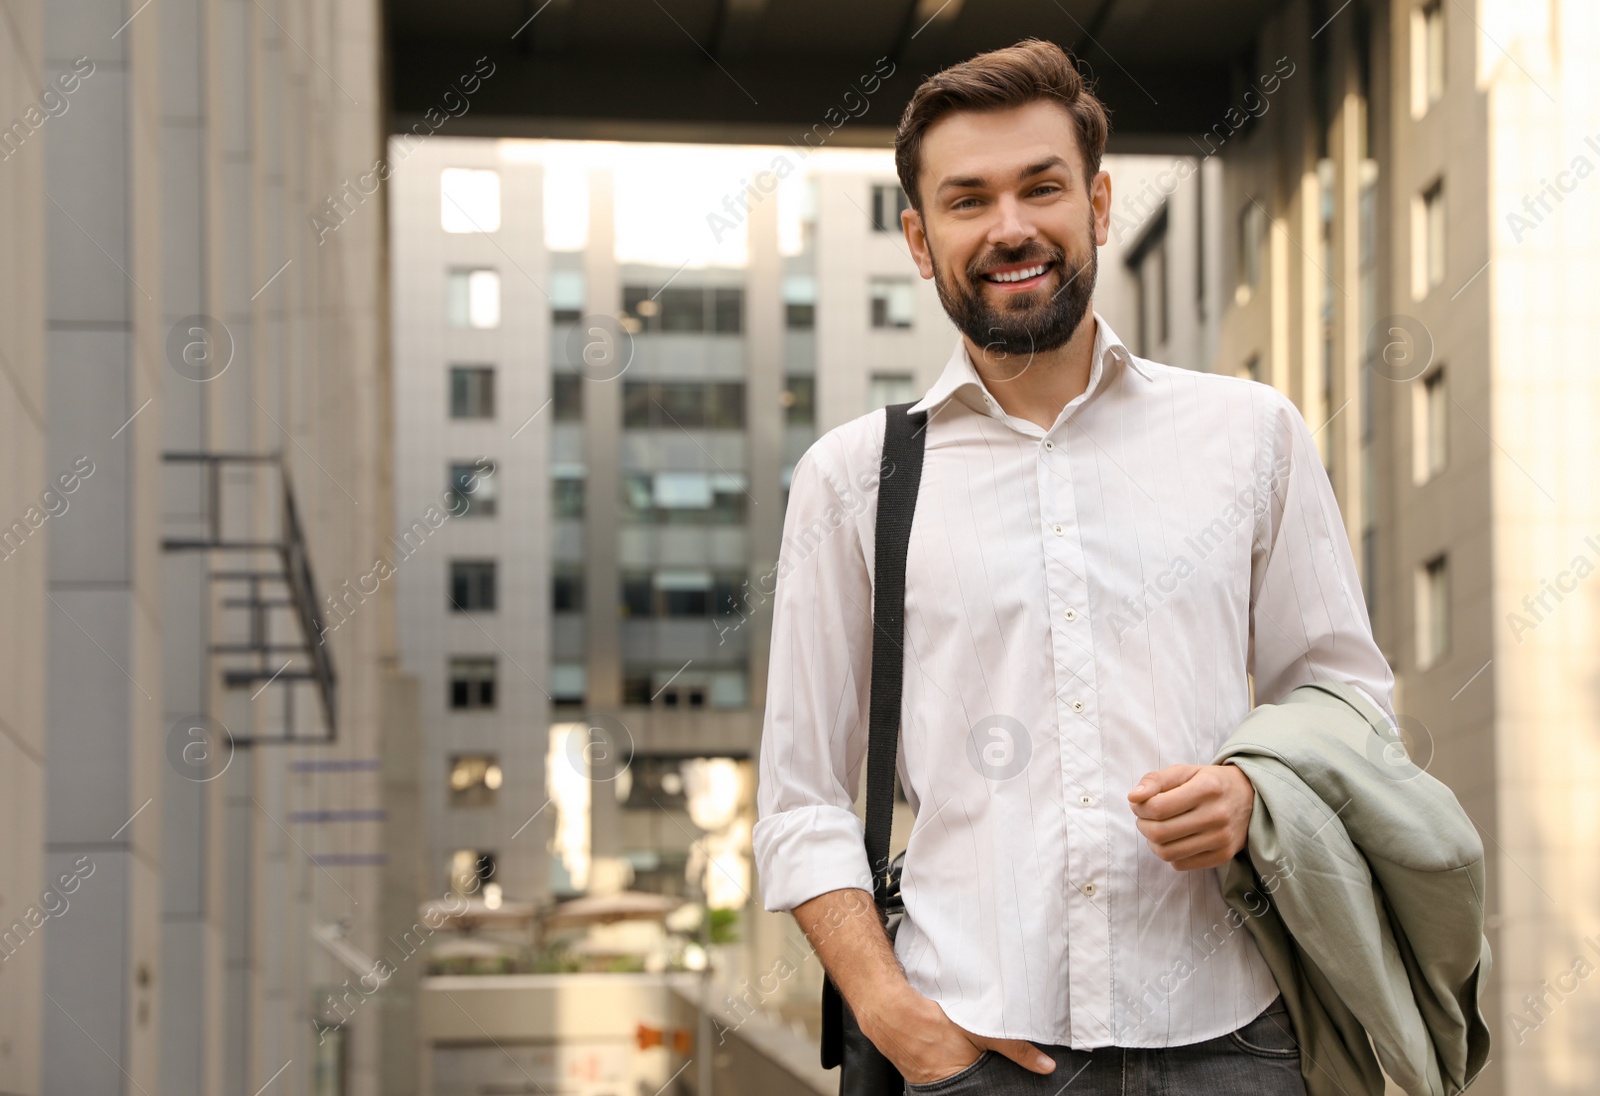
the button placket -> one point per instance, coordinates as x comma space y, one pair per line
1080, 750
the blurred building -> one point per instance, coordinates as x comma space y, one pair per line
608, 360
193, 408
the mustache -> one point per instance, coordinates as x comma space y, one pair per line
1027, 255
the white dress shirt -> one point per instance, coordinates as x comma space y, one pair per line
1082, 606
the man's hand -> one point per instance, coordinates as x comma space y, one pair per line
1194, 816
925, 1045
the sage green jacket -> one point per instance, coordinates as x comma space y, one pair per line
1364, 890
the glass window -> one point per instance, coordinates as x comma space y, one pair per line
727, 310
799, 400
472, 298
888, 202
474, 780
685, 404
472, 682
469, 199
1433, 235
566, 588
471, 392
1252, 242
886, 388
566, 296
1148, 263
893, 302
1433, 611
800, 301
568, 683
472, 585
1427, 56
471, 870
473, 490
1430, 430
684, 498
566, 394
682, 308
686, 308
566, 491
684, 593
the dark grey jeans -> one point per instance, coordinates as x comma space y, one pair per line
1260, 1059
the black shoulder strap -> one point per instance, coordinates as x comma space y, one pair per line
899, 475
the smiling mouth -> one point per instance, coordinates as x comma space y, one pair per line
1021, 278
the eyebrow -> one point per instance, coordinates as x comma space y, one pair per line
977, 182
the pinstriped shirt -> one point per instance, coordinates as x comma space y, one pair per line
1083, 605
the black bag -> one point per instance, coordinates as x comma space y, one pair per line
864, 1070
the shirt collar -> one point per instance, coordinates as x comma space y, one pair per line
960, 376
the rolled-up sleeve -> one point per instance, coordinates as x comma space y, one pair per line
1308, 617
807, 839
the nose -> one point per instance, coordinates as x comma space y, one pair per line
1012, 227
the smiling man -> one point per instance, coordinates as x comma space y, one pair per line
1104, 550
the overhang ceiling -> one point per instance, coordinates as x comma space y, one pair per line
769, 70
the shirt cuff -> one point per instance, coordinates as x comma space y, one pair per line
808, 851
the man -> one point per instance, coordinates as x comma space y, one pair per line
1103, 548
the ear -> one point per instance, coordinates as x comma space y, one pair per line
1100, 200
917, 240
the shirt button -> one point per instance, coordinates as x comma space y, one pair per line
1089, 890
1086, 800
1058, 529
1070, 614
1048, 444
1077, 705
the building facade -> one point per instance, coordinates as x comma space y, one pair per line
195, 393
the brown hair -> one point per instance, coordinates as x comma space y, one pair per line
1015, 76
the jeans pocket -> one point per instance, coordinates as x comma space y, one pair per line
1270, 1035
949, 1084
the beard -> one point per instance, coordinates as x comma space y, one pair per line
1030, 321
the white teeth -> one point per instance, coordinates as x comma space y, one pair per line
1018, 275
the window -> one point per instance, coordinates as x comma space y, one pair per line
566, 396
686, 404
474, 780
473, 490
1433, 612
717, 309
471, 870
1252, 241
568, 683
1427, 57
1148, 263
657, 783
566, 588
566, 296
471, 392
1428, 243
1430, 403
684, 498
799, 400
472, 298
888, 202
886, 388
566, 491
469, 200
472, 585
682, 593
893, 302
472, 683
800, 302
676, 687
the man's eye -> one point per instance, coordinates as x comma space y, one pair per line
1049, 187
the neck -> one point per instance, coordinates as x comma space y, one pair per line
1036, 387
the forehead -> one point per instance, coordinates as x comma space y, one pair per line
995, 144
